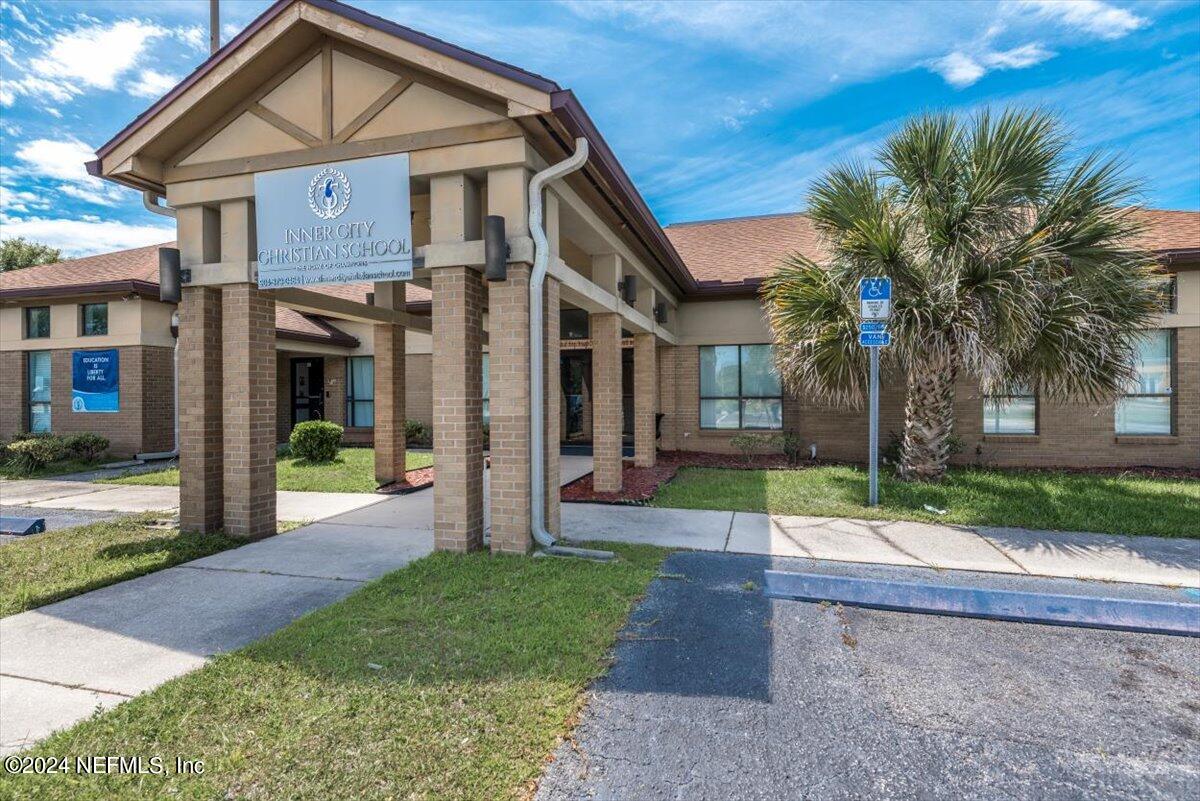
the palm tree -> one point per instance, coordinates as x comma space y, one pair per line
1009, 262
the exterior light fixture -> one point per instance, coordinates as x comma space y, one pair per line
628, 289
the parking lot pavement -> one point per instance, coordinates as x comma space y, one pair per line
55, 518
720, 693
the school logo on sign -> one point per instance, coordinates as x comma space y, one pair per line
329, 193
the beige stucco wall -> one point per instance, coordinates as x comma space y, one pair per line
722, 322
136, 321
1187, 305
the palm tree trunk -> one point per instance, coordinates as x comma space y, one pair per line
928, 419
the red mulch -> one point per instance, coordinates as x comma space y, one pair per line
640, 483
416, 480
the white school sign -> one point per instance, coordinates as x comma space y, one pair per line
335, 223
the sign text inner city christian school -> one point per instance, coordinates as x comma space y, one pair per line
337, 224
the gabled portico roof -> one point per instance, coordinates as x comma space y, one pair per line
551, 116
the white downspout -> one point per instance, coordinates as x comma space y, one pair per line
150, 201
537, 411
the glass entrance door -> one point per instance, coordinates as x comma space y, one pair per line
308, 390
576, 378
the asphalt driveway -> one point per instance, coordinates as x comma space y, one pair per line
720, 693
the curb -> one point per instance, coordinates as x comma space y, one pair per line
1118, 614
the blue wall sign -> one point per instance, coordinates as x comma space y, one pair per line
874, 340
96, 381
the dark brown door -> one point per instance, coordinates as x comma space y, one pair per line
308, 390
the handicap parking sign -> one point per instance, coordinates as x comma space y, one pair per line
875, 298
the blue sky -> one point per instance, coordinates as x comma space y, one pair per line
716, 109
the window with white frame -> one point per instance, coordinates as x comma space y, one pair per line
1146, 406
360, 391
739, 388
1015, 413
38, 395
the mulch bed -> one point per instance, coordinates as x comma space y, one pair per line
640, 483
417, 479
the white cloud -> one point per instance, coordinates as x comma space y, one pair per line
737, 111
1089, 16
96, 55
95, 192
958, 69
21, 201
85, 237
152, 83
60, 159
194, 37
90, 56
961, 69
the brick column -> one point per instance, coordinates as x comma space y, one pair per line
553, 403
201, 488
389, 404
248, 356
645, 398
606, 401
457, 408
508, 349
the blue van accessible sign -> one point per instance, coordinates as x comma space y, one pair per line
96, 381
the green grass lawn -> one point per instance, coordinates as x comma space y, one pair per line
55, 469
48, 567
352, 471
1033, 499
453, 678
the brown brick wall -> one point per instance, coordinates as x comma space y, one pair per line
145, 421
389, 404
249, 366
458, 300
645, 398
1069, 434
607, 403
283, 396
201, 454
13, 394
418, 387
508, 367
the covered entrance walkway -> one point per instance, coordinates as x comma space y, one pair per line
316, 97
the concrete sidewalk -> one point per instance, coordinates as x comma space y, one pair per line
1101, 557
60, 662
132, 499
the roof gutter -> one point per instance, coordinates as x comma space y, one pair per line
567, 109
145, 289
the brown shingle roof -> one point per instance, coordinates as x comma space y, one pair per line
729, 251
138, 264
748, 248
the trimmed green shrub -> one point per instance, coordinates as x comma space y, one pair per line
29, 455
792, 446
417, 434
86, 446
750, 444
25, 435
316, 440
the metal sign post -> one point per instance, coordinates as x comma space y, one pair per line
875, 306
